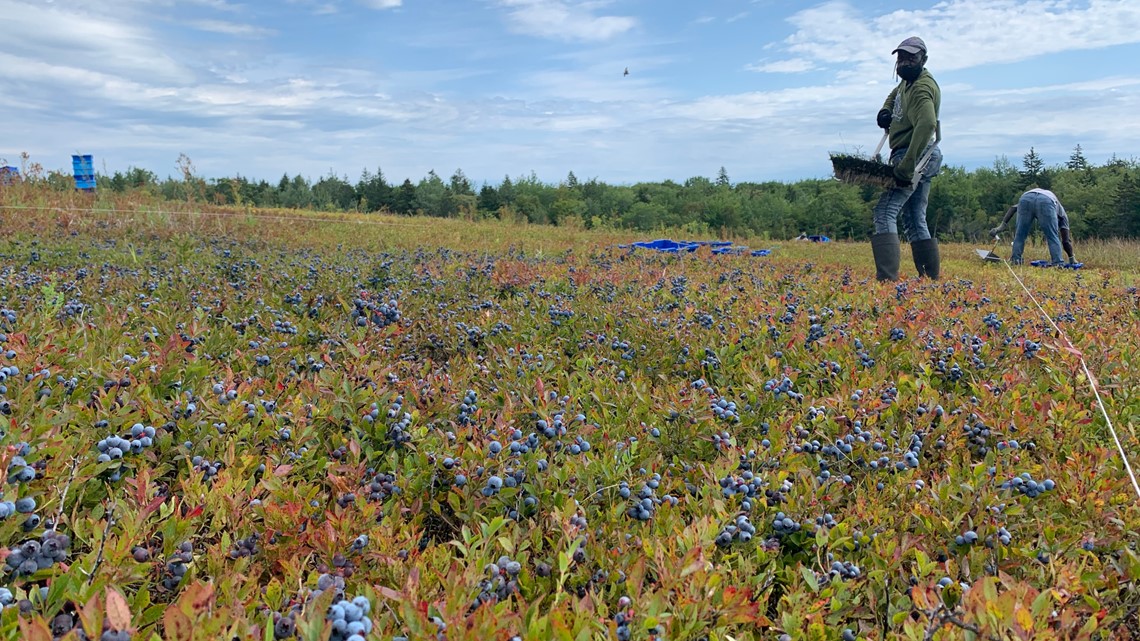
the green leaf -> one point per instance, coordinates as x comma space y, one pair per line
809, 577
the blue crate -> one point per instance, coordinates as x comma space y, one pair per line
83, 167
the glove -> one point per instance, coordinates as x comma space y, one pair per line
903, 179
996, 230
884, 118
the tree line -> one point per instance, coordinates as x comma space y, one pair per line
1102, 200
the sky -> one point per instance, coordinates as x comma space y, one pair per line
764, 88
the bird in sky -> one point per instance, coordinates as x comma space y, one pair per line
626, 72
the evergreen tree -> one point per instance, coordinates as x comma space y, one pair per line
405, 200
459, 184
1126, 223
1077, 161
1033, 169
722, 178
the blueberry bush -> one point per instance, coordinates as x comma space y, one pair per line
354, 428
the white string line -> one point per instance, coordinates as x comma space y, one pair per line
1092, 380
311, 219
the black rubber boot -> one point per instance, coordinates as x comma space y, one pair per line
926, 258
885, 248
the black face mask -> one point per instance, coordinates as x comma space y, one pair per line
909, 73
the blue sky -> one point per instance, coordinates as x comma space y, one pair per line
764, 88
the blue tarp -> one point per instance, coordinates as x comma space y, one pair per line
9, 175
1045, 263
676, 246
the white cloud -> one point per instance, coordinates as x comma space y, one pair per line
961, 34
57, 36
791, 65
382, 4
230, 28
563, 20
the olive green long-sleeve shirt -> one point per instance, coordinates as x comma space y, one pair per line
914, 107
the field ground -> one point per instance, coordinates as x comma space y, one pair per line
223, 422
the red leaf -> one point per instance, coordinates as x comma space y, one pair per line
118, 612
389, 593
178, 625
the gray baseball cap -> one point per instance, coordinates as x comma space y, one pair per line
913, 44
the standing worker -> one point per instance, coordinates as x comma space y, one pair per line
1043, 206
910, 117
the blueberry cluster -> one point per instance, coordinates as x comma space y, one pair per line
747, 485
843, 570
245, 547
284, 327
496, 482
741, 531
784, 525
831, 368
782, 388
623, 618
992, 321
954, 373
284, 625
380, 315
815, 333
32, 556
579, 446
114, 447
225, 397
208, 469
1030, 348
725, 410
398, 433
969, 537
977, 435
556, 315
897, 334
326, 582
647, 499
722, 440
18, 469
6, 373
467, 407
554, 428
176, 565
350, 620
1025, 484
500, 583
1003, 535
359, 543
382, 486
827, 521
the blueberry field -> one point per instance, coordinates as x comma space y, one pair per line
294, 426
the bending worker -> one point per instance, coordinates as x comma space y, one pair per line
910, 116
1043, 206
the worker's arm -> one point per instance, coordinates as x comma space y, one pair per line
1008, 214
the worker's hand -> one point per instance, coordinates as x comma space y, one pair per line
884, 118
996, 230
903, 179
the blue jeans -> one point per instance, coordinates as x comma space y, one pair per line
907, 202
1042, 208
